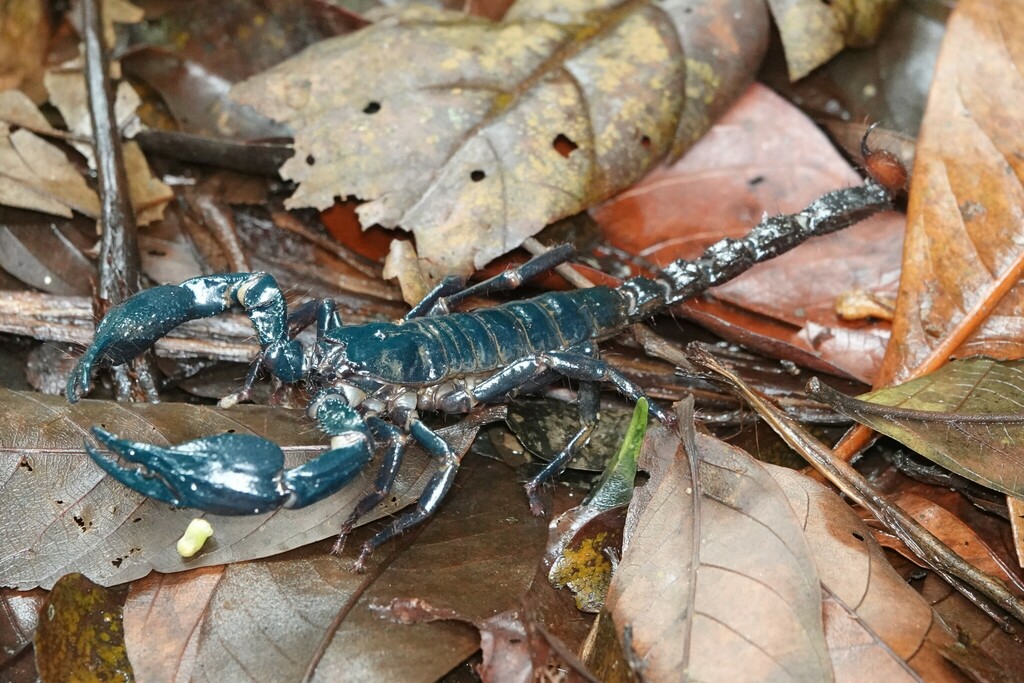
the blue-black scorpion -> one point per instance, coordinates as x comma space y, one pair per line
372, 380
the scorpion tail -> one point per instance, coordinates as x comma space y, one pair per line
774, 235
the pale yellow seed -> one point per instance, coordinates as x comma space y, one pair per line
195, 536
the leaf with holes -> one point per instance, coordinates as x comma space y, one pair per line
60, 513
474, 135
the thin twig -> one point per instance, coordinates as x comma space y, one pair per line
120, 263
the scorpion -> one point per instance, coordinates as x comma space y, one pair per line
371, 381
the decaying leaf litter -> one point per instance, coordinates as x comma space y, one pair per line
239, 236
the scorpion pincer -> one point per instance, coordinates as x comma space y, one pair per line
372, 381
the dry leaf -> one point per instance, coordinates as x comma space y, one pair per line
960, 537
19, 617
263, 620
1002, 653
36, 175
60, 513
733, 575
764, 156
48, 257
67, 92
66, 89
474, 135
24, 38
17, 109
964, 251
814, 31
878, 627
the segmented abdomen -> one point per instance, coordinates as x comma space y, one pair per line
429, 350
490, 338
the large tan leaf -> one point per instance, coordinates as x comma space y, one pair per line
716, 578
964, 250
59, 512
877, 626
474, 135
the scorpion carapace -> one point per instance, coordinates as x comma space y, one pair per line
372, 381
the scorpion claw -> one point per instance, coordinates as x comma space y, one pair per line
228, 474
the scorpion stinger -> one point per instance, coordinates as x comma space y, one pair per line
375, 378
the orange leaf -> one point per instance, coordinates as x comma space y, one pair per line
964, 249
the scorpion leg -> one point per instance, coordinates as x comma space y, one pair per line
323, 312
452, 290
241, 474
386, 475
438, 486
579, 364
448, 286
588, 400
582, 367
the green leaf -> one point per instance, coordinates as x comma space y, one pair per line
968, 416
616, 485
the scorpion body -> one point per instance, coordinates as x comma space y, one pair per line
373, 380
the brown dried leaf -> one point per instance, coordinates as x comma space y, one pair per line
46, 253
263, 620
60, 513
18, 110
887, 83
475, 135
758, 596
813, 31
877, 627
766, 157
24, 36
67, 92
19, 616
963, 255
1002, 653
36, 175
961, 538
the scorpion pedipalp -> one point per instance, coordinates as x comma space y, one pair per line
240, 474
